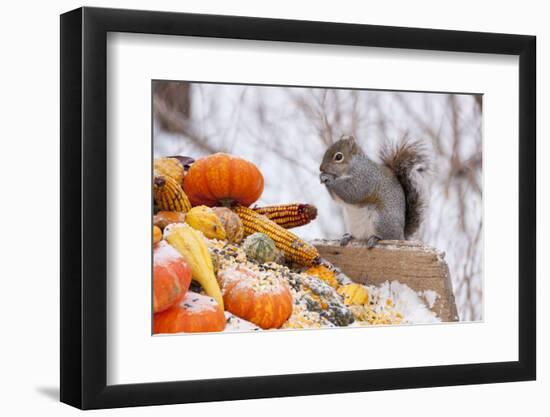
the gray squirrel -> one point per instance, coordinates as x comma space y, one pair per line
380, 200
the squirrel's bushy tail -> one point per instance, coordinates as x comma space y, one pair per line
410, 161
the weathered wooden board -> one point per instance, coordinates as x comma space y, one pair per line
412, 263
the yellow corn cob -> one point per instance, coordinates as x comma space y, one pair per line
294, 248
289, 215
170, 167
169, 195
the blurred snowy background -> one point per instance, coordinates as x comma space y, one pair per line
286, 130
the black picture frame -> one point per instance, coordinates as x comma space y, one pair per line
84, 207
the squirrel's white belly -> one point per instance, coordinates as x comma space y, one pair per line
359, 221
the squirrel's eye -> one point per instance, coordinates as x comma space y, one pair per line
338, 156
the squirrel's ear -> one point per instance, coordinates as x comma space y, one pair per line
351, 143
348, 138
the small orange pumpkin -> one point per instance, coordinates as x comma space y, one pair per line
257, 296
194, 314
223, 179
171, 277
157, 235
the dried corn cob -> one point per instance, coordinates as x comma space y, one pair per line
289, 215
170, 167
169, 195
294, 248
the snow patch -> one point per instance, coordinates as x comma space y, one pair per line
430, 296
164, 254
408, 302
236, 324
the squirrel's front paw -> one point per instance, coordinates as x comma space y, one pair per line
346, 239
372, 241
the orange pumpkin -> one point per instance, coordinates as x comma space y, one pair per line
223, 179
171, 277
257, 296
195, 313
157, 235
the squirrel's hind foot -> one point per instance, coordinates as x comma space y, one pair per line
346, 239
373, 241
